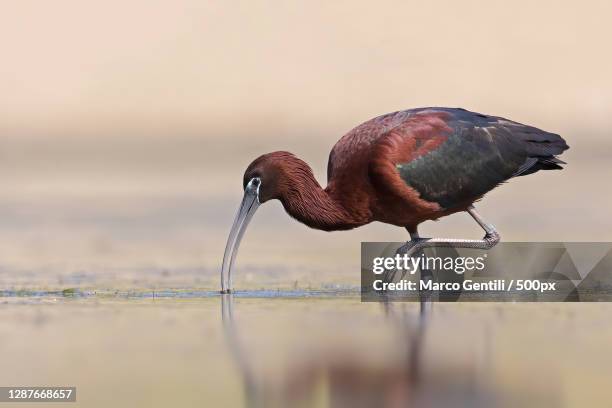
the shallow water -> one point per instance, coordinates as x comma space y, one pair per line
109, 272
304, 349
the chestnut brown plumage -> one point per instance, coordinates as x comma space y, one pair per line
402, 168
289, 179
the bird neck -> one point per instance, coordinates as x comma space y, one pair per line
306, 201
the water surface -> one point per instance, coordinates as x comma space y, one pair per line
299, 349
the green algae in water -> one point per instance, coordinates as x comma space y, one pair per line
69, 292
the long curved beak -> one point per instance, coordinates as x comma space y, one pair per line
248, 206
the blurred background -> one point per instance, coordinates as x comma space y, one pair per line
125, 127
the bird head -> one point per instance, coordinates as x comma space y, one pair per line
275, 172
263, 180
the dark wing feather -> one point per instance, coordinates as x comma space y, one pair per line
480, 153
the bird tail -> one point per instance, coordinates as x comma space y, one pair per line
542, 150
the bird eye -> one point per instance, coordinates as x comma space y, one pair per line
252, 184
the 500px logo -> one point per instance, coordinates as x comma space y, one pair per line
411, 264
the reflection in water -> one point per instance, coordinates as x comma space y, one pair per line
249, 379
345, 378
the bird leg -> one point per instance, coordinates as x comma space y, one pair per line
389, 275
490, 239
417, 244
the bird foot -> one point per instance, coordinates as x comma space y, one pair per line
416, 245
490, 239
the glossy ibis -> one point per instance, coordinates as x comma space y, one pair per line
401, 168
